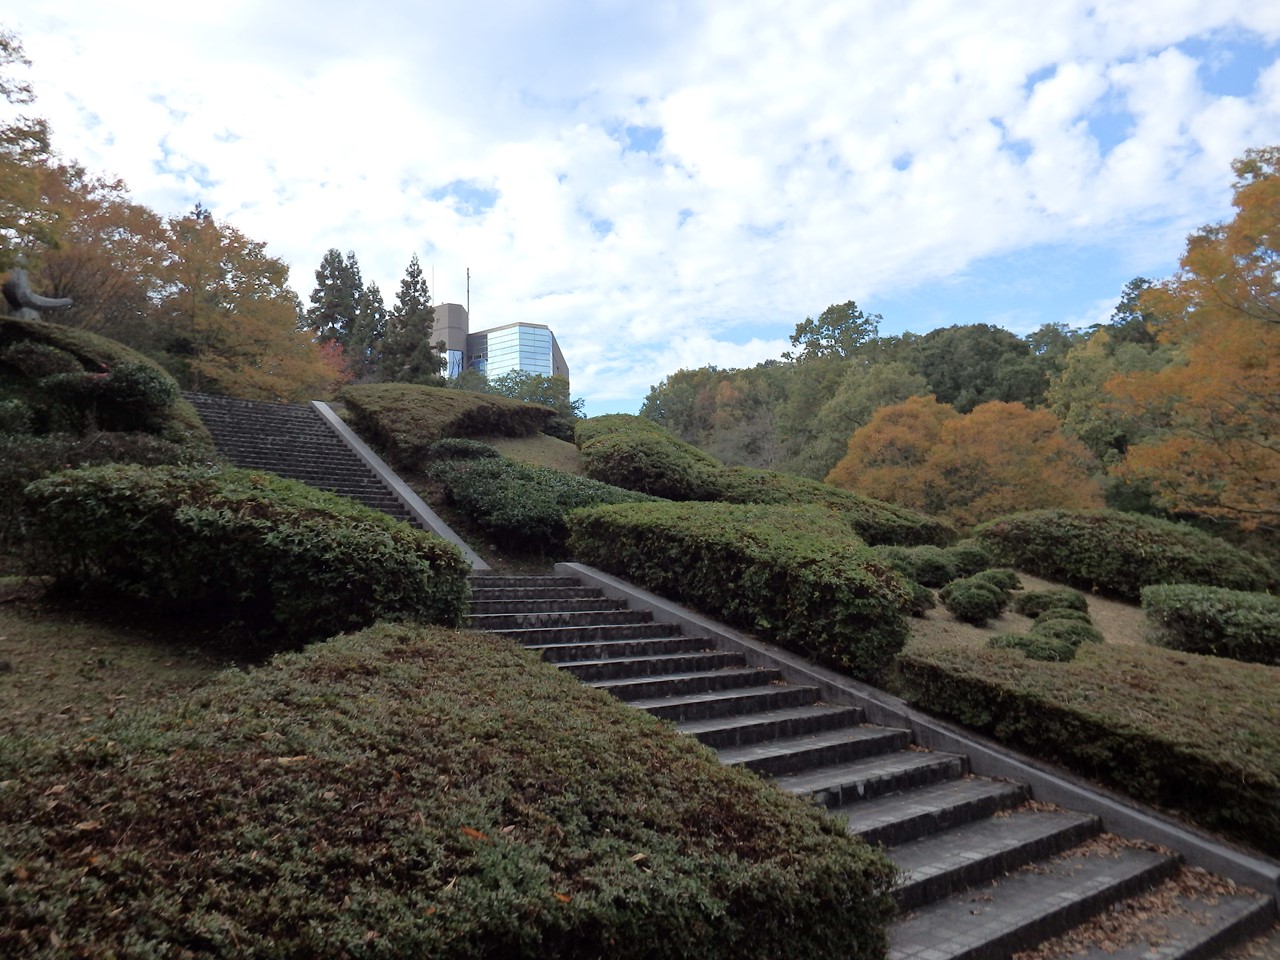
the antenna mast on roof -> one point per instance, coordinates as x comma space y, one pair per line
468, 293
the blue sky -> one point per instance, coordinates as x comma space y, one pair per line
671, 184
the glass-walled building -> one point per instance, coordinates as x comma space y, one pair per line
531, 347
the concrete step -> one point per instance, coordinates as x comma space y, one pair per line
490, 581
902, 817
485, 594
1184, 918
1027, 906
607, 649
663, 664
776, 758
544, 606
876, 776
723, 732
505, 622
938, 865
678, 684
540, 636
724, 703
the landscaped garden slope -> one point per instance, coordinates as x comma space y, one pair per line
1197, 735
410, 791
403, 420
635, 453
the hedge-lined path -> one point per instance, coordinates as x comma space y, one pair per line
294, 441
986, 870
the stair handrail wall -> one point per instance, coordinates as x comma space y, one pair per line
399, 489
986, 758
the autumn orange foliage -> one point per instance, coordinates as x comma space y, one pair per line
1001, 458
1216, 450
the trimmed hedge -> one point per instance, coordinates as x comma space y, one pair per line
1033, 603
1211, 620
652, 463
117, 379
1198, 735
459, 448
1120, 553
403, 420
637, 454
785, 573
520, 504
286, 562
415, 792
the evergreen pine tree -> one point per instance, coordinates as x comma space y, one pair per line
335, 302
367, 335
408, 353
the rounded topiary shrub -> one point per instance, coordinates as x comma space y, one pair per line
651, 463
1035, 602
1238, 624
1047, 649
1064, 613
1068, 631
1001, 577
969, 557
927, 565
972, 601
921, 598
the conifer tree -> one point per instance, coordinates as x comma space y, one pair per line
335, 301
365, 350
408, 353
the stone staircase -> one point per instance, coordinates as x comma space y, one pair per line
294, 441
986, 870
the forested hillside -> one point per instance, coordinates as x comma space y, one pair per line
1172, 406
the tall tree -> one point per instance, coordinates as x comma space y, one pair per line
530, 387
364, 353
335, 301
1215, 452
25, 221
232, 317
1000, 458
971, 364
408, 353
839, 331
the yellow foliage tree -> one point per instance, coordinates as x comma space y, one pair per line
1216, 450
1000, 458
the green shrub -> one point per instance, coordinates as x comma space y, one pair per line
289, 563
35, 360
1035, 602
928, 565
1120, 553
403, 420
593, 428
458, 448
651, 463
417, 792
785, 573
973, 601
1120, 713
24, 458
1033, 647
1212, 620
524, 506
1064, 613
921, 599
875, 521
1068, 631
131, 396
970, 557
560, 427
15, 417
1001, 577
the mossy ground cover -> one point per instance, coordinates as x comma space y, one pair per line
412, 791
1197, 735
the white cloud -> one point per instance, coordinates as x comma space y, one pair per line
810, 151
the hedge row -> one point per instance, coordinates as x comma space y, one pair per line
523, 506
70, 379
1120, 553
784, 573
1223, 623
414, 792
403, 420
283, 561
1197, 735
635, 453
